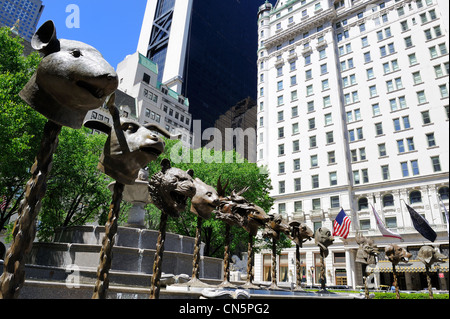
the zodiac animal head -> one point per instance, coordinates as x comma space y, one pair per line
205, 199
323, 239
170, 188
71, 79
397, 254
429, 255
300, 232
367, 251
128, 148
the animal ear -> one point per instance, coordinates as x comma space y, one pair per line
190, 172
98, 125
165, 165
45, 40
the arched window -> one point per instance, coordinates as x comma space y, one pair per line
363, 203
415, 197
443, 192
388, 200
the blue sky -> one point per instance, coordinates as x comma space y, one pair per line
111, 26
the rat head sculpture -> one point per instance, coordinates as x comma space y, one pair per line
128, 148
205, 199
300, 233
429, 255
323, 239
367, 251
71, 79
397, 254
170, 188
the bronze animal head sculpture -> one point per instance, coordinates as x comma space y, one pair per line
128, 148
397, 254
429, 255
367, 251
275, 226
170, 188
236, 210
300, 233
71, 79
323, 239
205, 200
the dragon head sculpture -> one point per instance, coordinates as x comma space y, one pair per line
170, 188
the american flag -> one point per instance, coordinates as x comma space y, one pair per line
341, 225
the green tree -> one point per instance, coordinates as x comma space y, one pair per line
20, 126
240, 175
77, 191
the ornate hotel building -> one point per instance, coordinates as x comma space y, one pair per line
353, 111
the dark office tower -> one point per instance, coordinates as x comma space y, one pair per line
205, 50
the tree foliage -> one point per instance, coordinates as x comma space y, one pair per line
77, 191
239, 174
20, 126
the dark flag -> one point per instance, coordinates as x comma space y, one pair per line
421, 225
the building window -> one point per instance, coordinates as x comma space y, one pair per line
316, 204
436, 163
281, 168
333, 178
385, 172
296, 164
444, 193
388, 200
315, 181
297, 184
430, 139
391, 222
382, 149
281, 187
415, 197
364, 224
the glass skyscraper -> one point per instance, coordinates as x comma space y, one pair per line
205, 50
23, 15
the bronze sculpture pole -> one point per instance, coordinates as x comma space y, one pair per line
298, 266
226, 258
25, 227
102, 283
250, 273
196, 260
430, 287
274, 265
395, 283
157, 264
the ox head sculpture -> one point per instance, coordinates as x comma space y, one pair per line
397, 254
170, 188
129, 147
323, 238
367, 251
429, 255
71, 79
205, 200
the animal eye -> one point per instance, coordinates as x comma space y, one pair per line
209, 194
76, 53
129, 127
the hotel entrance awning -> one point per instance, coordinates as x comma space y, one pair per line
411, 266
